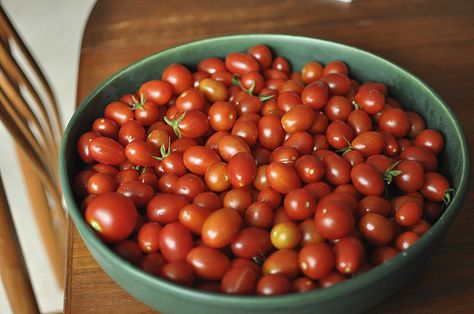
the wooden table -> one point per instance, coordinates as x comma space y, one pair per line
433, 39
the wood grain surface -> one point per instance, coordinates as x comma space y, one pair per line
432, 38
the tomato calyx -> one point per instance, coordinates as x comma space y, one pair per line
174, 124
448, 196
138, 104
139, 169
236, 81
163, 151
356, 105
391, 173
345, 149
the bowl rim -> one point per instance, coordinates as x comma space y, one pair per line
336, 291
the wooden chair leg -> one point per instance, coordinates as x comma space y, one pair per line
53, 240
12, 264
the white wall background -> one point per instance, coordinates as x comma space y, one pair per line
52, 29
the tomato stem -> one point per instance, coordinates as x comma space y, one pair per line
356, 105
138, 104
390, 173
345, 149
174, 124
163, 151
448, 196
264, 98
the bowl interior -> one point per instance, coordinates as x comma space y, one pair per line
402, 85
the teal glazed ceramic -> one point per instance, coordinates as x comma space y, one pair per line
354, 295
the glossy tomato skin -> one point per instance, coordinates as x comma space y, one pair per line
195, 124
208, 263
239, 280
106, 151
129, 250
273, 285
374, 204
411, 177
367, 179
394, 121
376, 229
148, 237
197, 159
349, 255
105, 127
118, 112
262, 54
430, 139
369, 143
282, 262
140, 193
298, 118
240, 63
299, 204
178, 272
270, 131
242, 170
282, 177
165, 208
157, 91
251, 242
334, 220
421, 154
141, 153
309, 168
230, 145
315, 94
336, 169
112, 215
175, 242
221, 228
83, 146
179, 77
189, 186
434, 186
316, 260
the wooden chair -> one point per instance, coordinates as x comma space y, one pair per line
29, 111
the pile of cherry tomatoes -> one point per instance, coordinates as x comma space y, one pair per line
244, 177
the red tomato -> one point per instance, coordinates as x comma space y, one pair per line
242, 170
316, 260
112, 216
175, 242
221, 228
208, 263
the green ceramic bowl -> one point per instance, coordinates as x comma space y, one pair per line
354, 295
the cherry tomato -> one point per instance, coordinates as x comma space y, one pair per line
405, 240
316, 260
175, 242
315, 94
370, 100
270, 131
179, 272
299, 204
118, 112
334, 220
367, 179
112, 215
298, 118
221, 228
259, 214
311, 71
165, 208
240, 63
148, 237
376, 229
152, 263
242, 170
238, 200
208, 263
189, 100
273, 285
368, 143
106, 151
374, 204
217, 177
222, 116
285, 235
140, 193
230, 145
430, 139
304, 284
394, 121
262, 54
239, 280
157, 91
129, 250
142, 154
282, 177
199, 158
251, 242
179, 77
434, 186
189, 186
349, 255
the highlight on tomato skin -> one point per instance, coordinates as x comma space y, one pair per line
246, 176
